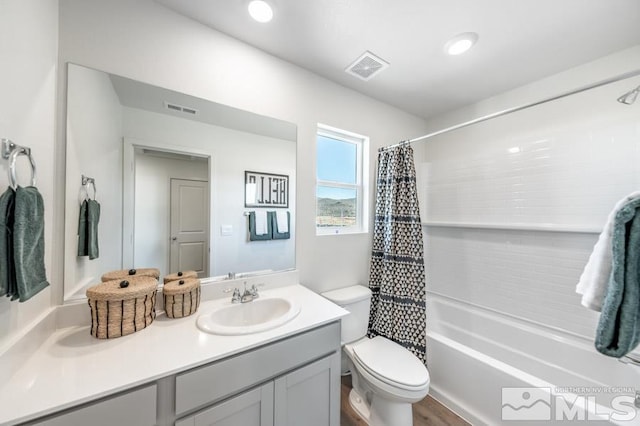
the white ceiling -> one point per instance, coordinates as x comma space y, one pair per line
520, 41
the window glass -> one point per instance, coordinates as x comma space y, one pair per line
341, 181
337, 160
336, 207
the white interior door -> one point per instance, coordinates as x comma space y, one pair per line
189, 226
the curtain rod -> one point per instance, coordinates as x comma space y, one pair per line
600, 83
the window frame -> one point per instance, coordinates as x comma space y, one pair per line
361, 185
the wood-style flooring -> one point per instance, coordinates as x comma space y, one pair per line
427, 412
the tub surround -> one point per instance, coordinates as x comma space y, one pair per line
502, 351
69, 367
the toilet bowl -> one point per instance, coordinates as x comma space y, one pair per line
386, 377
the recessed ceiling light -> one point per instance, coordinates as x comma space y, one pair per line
460, 43
260, 10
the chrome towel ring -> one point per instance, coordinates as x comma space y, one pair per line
11, 151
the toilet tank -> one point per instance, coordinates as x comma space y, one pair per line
356, 299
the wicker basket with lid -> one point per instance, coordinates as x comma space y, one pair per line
181, 297
121, 307
181, 275
127, 273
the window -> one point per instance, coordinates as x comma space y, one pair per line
341, 190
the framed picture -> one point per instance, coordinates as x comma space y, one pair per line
266, 190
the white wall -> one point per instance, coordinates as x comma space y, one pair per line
231, 152
559, 166
29, 48
94, 149
144, 41
153, 206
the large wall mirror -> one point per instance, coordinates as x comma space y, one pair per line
168, 173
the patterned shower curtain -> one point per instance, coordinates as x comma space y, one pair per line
397, 274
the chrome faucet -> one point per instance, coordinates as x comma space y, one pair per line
254, 291
236, 298
247, 296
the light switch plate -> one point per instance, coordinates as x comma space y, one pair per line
226, 230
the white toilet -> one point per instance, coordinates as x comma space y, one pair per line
386, 377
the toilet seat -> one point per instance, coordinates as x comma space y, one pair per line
405, 371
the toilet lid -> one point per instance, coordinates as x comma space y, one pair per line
390, 362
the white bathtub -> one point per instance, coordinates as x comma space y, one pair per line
473, 353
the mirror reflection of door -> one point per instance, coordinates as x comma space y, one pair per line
189, 226
154, 220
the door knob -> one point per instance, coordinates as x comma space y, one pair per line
174, 238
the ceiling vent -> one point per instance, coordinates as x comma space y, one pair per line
367, 66
180, 108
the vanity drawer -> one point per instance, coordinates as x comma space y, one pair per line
208, 384
132, 408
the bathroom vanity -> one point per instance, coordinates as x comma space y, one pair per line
297, 377
174, 374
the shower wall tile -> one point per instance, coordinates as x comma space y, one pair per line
531, 275
564, 163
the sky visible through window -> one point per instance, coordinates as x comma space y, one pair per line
336, 162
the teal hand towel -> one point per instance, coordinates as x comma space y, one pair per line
252, 229
28, 242
7, 271
83, 249
93, 217
618, 331
277, 235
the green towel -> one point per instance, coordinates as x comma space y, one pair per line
28, 242
7, 271
83, 249
93, 217
252, 229
273, 219
618, 330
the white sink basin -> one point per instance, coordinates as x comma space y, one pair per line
252, 317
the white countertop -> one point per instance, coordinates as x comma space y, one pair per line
71, 367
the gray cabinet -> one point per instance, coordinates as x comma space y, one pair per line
251, 408
132, 408
213, 382
307, 396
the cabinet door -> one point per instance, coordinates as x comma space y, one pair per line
132, 408
251, 408
310, 396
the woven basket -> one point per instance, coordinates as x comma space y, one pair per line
180, 276
122, 307
126, 273
181, 297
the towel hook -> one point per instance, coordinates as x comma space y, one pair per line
85, 182
11, 151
